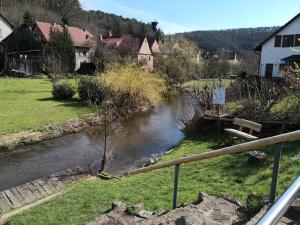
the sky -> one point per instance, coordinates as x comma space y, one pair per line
188, 15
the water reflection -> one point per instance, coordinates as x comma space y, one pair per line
132, 142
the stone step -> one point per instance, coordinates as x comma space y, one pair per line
211, 211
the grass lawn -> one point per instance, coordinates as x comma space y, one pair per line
231, 175
28, 104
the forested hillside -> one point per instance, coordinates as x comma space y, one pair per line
239, 40
71, 12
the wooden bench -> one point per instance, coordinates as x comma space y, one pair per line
243, 124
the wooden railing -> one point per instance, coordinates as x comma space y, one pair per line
278, 141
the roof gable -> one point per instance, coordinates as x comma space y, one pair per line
80, 37
7, 21
145, 48
259, 47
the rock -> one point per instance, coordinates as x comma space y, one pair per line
135, 209
150, 162
119, 206
159, 212
145, 214
211, 211
257, 157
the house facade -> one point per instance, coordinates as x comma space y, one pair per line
84, 41
23, 52
279, 50
5, 30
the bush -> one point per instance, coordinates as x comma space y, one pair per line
63, 90
91, 89
132, 89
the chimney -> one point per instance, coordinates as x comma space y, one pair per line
110, 33
101, 37
154, 26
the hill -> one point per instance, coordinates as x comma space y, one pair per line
70, 11
239, 40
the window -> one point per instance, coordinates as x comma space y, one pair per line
288, 40
297, 40
278, 39
269, 71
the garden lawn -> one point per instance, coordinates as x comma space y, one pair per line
231, 175
28, 104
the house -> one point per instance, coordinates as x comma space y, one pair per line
145, 48
6, 28
281, 49
23, 52
83, 40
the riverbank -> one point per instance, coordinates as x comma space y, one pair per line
231, 175
29, 115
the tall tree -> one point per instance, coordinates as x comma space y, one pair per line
28, 19
60, 52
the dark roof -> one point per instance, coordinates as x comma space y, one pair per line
7, 21
291, 58
151, 41
259, 47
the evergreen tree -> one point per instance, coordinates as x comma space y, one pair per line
27, 19
60, 52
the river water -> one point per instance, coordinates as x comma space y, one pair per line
131, 142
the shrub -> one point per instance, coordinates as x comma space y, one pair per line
133, 89
63, 90
91, 89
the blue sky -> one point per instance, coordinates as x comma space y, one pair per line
187, 15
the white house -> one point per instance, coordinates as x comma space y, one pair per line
280, 49
5, 28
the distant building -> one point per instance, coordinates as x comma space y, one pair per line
281, 49
146, 48
23, 52
6, 28
83, 40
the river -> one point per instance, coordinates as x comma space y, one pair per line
131, 142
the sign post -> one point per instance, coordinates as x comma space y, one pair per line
218, 100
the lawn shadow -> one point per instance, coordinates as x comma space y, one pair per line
72, 103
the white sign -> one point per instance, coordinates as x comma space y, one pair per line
219, 96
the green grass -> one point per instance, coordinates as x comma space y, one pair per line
28, 104
231, 175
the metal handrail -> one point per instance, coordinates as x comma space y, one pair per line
278, 141
282, 205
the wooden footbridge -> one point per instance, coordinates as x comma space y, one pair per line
34, 191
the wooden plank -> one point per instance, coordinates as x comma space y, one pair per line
17, 194
15, 201
57, 183
48, 185
249, 124
24, 194
245, 147
241, 134
5, 204
41, 190
34, 190
29, 194
42, 183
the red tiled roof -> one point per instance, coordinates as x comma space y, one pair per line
112, 41
80, 37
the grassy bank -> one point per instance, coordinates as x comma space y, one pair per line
231, 175
28, 104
